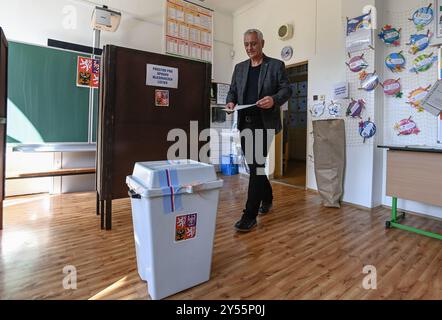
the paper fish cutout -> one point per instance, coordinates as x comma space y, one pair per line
369, 81
357, 63
423, 62
406, 127
423, 17
419, 42
367, 129
416, 97
355, 108
334, 109
395, 62
390, 35
318, 110
392, 88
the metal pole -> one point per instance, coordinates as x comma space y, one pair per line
96, 44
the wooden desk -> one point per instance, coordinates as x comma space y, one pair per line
57, 149
60, 152
51, 173
413, 173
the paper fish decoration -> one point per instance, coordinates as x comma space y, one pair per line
318, 110
355, 108
369, 81
367, 129
423, 63
423, 17
390, 35
392, 88
357, 63
395, 62
419, 42
334, 109
406, 127
416, 97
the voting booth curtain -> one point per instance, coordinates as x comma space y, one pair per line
135, 116
329, 154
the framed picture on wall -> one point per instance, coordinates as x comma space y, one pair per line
438, 18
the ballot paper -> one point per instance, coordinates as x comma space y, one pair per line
239, 107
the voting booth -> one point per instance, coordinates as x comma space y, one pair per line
174, 209
143, 97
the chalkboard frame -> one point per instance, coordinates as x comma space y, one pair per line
94, 116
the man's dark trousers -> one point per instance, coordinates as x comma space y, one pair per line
260, 189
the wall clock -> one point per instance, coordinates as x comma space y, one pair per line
287, 53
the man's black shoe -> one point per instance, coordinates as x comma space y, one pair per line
265, 208
246, 224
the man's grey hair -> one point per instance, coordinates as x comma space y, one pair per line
258, 33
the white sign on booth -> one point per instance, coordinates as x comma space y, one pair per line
162, 76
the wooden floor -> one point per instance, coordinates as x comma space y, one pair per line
300, 251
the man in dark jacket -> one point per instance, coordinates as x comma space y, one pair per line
262, 82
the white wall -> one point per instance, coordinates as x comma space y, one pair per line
319, 39
34, 22
378, 163
223, 47
363, 179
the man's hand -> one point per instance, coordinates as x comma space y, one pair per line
230, 106
266, 103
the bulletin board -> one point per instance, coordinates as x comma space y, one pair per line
189, 30
353, 137
352, 125
354, 83
397, 109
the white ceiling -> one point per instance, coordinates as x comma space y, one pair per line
153, 9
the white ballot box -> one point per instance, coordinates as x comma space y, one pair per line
174, 209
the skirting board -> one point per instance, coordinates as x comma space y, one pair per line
350, 204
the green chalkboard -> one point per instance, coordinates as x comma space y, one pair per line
44, 103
